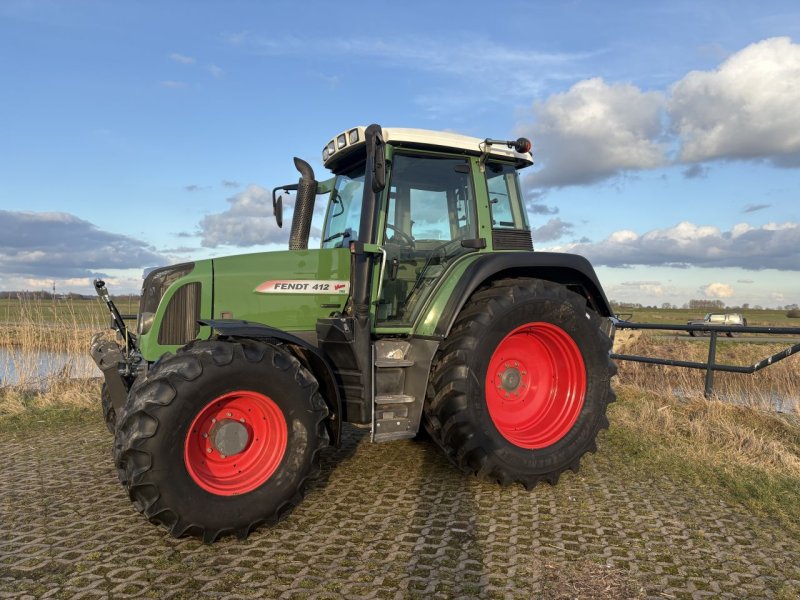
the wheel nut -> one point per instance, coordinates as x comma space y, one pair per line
208, 450
229, 414
205, 435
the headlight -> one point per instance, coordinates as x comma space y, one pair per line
145, 322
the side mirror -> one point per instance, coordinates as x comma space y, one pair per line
277, 201
277, 210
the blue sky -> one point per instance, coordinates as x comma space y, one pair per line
666, 135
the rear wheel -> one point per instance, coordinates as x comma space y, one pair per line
519, 389
220, 438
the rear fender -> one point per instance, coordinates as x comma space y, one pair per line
308, 355
571, 270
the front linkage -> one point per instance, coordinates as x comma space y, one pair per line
120, 361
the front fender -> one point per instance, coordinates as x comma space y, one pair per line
309, 356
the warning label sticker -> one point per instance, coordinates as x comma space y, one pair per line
304, 286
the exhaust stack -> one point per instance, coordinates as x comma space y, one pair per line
303, 206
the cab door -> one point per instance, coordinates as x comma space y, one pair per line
430, 210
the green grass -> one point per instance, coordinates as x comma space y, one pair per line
679, 316
739, 454
50, 418
64, 404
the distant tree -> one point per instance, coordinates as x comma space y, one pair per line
705, 304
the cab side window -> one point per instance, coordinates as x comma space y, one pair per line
507, 209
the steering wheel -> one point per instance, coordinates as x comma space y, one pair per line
404, 237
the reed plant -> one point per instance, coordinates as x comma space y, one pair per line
776, 387
45, 351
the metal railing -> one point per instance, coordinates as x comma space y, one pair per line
711, 365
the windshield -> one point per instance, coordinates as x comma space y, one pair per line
344, 211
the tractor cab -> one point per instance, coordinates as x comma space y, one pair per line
444, 195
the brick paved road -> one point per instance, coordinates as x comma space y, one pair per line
385, 521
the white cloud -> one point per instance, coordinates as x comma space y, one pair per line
174, 85
746, 108
54, 245
552, 230
236, 38
771, 246
493, 73
652, 288
182, 58
216, 71
718, 290
248, 222
594, 131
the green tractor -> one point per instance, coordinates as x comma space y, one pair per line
425, 305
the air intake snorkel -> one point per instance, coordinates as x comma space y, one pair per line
303, 206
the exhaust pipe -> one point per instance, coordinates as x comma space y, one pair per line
303, 206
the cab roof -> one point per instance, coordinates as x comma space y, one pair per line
351, 140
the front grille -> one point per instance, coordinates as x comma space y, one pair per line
180, 319
512, 239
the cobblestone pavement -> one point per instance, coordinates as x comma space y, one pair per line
385, 521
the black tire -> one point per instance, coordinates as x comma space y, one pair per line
457, 412
692, 333
109, 414
154, 429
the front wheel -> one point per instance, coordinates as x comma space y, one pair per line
221, 437
520, 387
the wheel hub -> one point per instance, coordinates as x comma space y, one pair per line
510, 379
229, 437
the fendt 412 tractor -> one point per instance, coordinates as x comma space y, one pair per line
425, 305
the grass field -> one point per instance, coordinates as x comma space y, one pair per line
679, 316
80, 312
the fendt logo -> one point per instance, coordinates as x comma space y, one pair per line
303, 286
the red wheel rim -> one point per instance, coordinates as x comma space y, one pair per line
535, 385
263, 445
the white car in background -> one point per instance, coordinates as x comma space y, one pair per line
718, 319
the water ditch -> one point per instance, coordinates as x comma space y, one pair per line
36, 368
